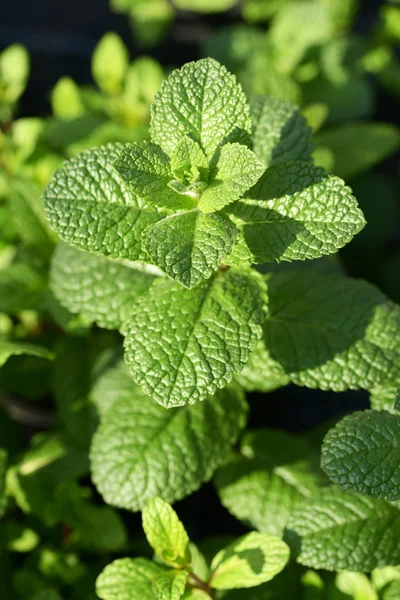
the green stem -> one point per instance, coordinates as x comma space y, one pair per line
198, 583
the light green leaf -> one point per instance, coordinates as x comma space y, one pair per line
205, 6
249, 561
104, 291
356, 147
385, 397
142, 450
262, 373
296, 211
14, 72
273, 476
66, 100
356, 586
109, 63
188, 161
280, 132
21, 288
204, 101
89, 206
18, 538
381, 577
128, 579
3, 469
392, 591
8, 349
319, 338
236, 170
362, 453
182, 345
171, 585
190, 246
343, 531
165, 532
147, 170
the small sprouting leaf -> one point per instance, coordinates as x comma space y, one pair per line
66, 100
147, 170
89, 206
182, 345
296, 211
190, 246
204, 101
102, 290
138, 450
249, 561
362, 453
129, 578
109, 63
280, 132
340, 530
8, 349
188, 161
165, 532
236, 170
14, 71
3, 469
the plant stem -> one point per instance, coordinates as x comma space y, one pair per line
198, 583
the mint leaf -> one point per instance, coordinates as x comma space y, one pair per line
273, 476
147, 170
8, 349
96, 528
102, 290
355, 585
171, 585
343, 531
182, 345
296, 211
14, 72
190, 246
109, 63
89, 206
262, 373
236, 170
21, 288
203, 101
362, 453
383, 397
3, 470
251, 560
165, 532
138, 450
280, 132
188, 161
319, 338
128, 578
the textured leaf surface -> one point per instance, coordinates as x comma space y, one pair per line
104, 291
3, 469
171, 585
181, 345
142, 450
8, 349
204, 101
237, 169
147, 170
190, 246
128, 579
249, 561
274, 475
280, 132
188, 155
89, 206
335, 333
261, 373
164, 531
362, 453
296, 211
343, 531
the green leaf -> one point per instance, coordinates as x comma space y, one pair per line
21, 288
262, 373
280, 132
14, 72
296, 211
356, 147
319, 338
96, 528
102, 290
392, 591
109, 63
343, 531
66, 101
355, 585
205, 6
190, 246
203, 101
188, 160
8, 349
18, 538
47, 593
141, 450
249, 561
362, 453
171, 585
3, 470
165, 532
273, 476
89, 206
128, 579
182, 345
147, 170
236, 170
381, 577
